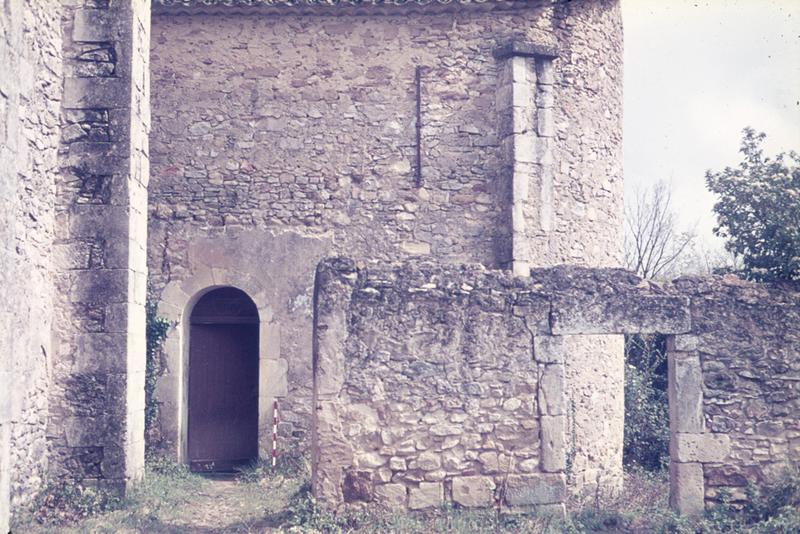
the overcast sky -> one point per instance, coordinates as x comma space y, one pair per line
696, 73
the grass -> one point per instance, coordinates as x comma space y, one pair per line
173, 500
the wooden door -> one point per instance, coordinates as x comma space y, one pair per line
223, 388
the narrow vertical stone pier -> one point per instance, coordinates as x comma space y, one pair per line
524, 103
96, 428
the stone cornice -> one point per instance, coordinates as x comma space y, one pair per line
335, 6
316, 3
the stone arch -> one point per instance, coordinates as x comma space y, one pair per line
177, 301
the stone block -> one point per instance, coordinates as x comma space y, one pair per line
357, 486
427, 461
92, 25
99, 352
100, 286
329, 358
515, 119
685, 391
549, 349
545, 71
416, 248
620, 314
86, 431
520, 268
392, 496
397, 464
521, 70
473, 491
553, 443
427, 495
535, 489
517, 48
110, 93
274, 376
552, 387
704, 448
527, 147
686, 488
545, 123
683, 343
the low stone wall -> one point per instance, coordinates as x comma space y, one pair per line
734, 389
441, 383
427, 389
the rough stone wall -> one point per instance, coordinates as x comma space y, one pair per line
431, 385
30, 95
734, 389
301, 129
96, 428
10, 50
397, 348
587, 224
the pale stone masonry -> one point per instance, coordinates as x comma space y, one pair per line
30, 93
73, 150
288, 131
437, 382
101, 267
734, 390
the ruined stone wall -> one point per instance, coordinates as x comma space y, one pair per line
30, 95
432, 385
734, 389
299, 131
417, 364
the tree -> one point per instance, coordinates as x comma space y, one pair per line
758, 210
653, 243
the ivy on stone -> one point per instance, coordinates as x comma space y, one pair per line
156, 330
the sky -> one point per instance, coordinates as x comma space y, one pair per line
696, 73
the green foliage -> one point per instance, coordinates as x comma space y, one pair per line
307, 516
646, 437
156, 329
292, 462
172, 499
758, 210
770, 509
67, 501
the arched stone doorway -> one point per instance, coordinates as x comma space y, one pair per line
223, 388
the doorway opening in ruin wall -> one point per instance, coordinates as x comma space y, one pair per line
646, 429
223, 396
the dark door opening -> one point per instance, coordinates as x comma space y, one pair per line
223, 382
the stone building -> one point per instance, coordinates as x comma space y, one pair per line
217, 150
479, 132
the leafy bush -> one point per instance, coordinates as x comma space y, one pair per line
769, 509
758, 210
646, 438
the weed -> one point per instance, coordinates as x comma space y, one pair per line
65, 501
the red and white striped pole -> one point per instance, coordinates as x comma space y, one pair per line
274, 433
